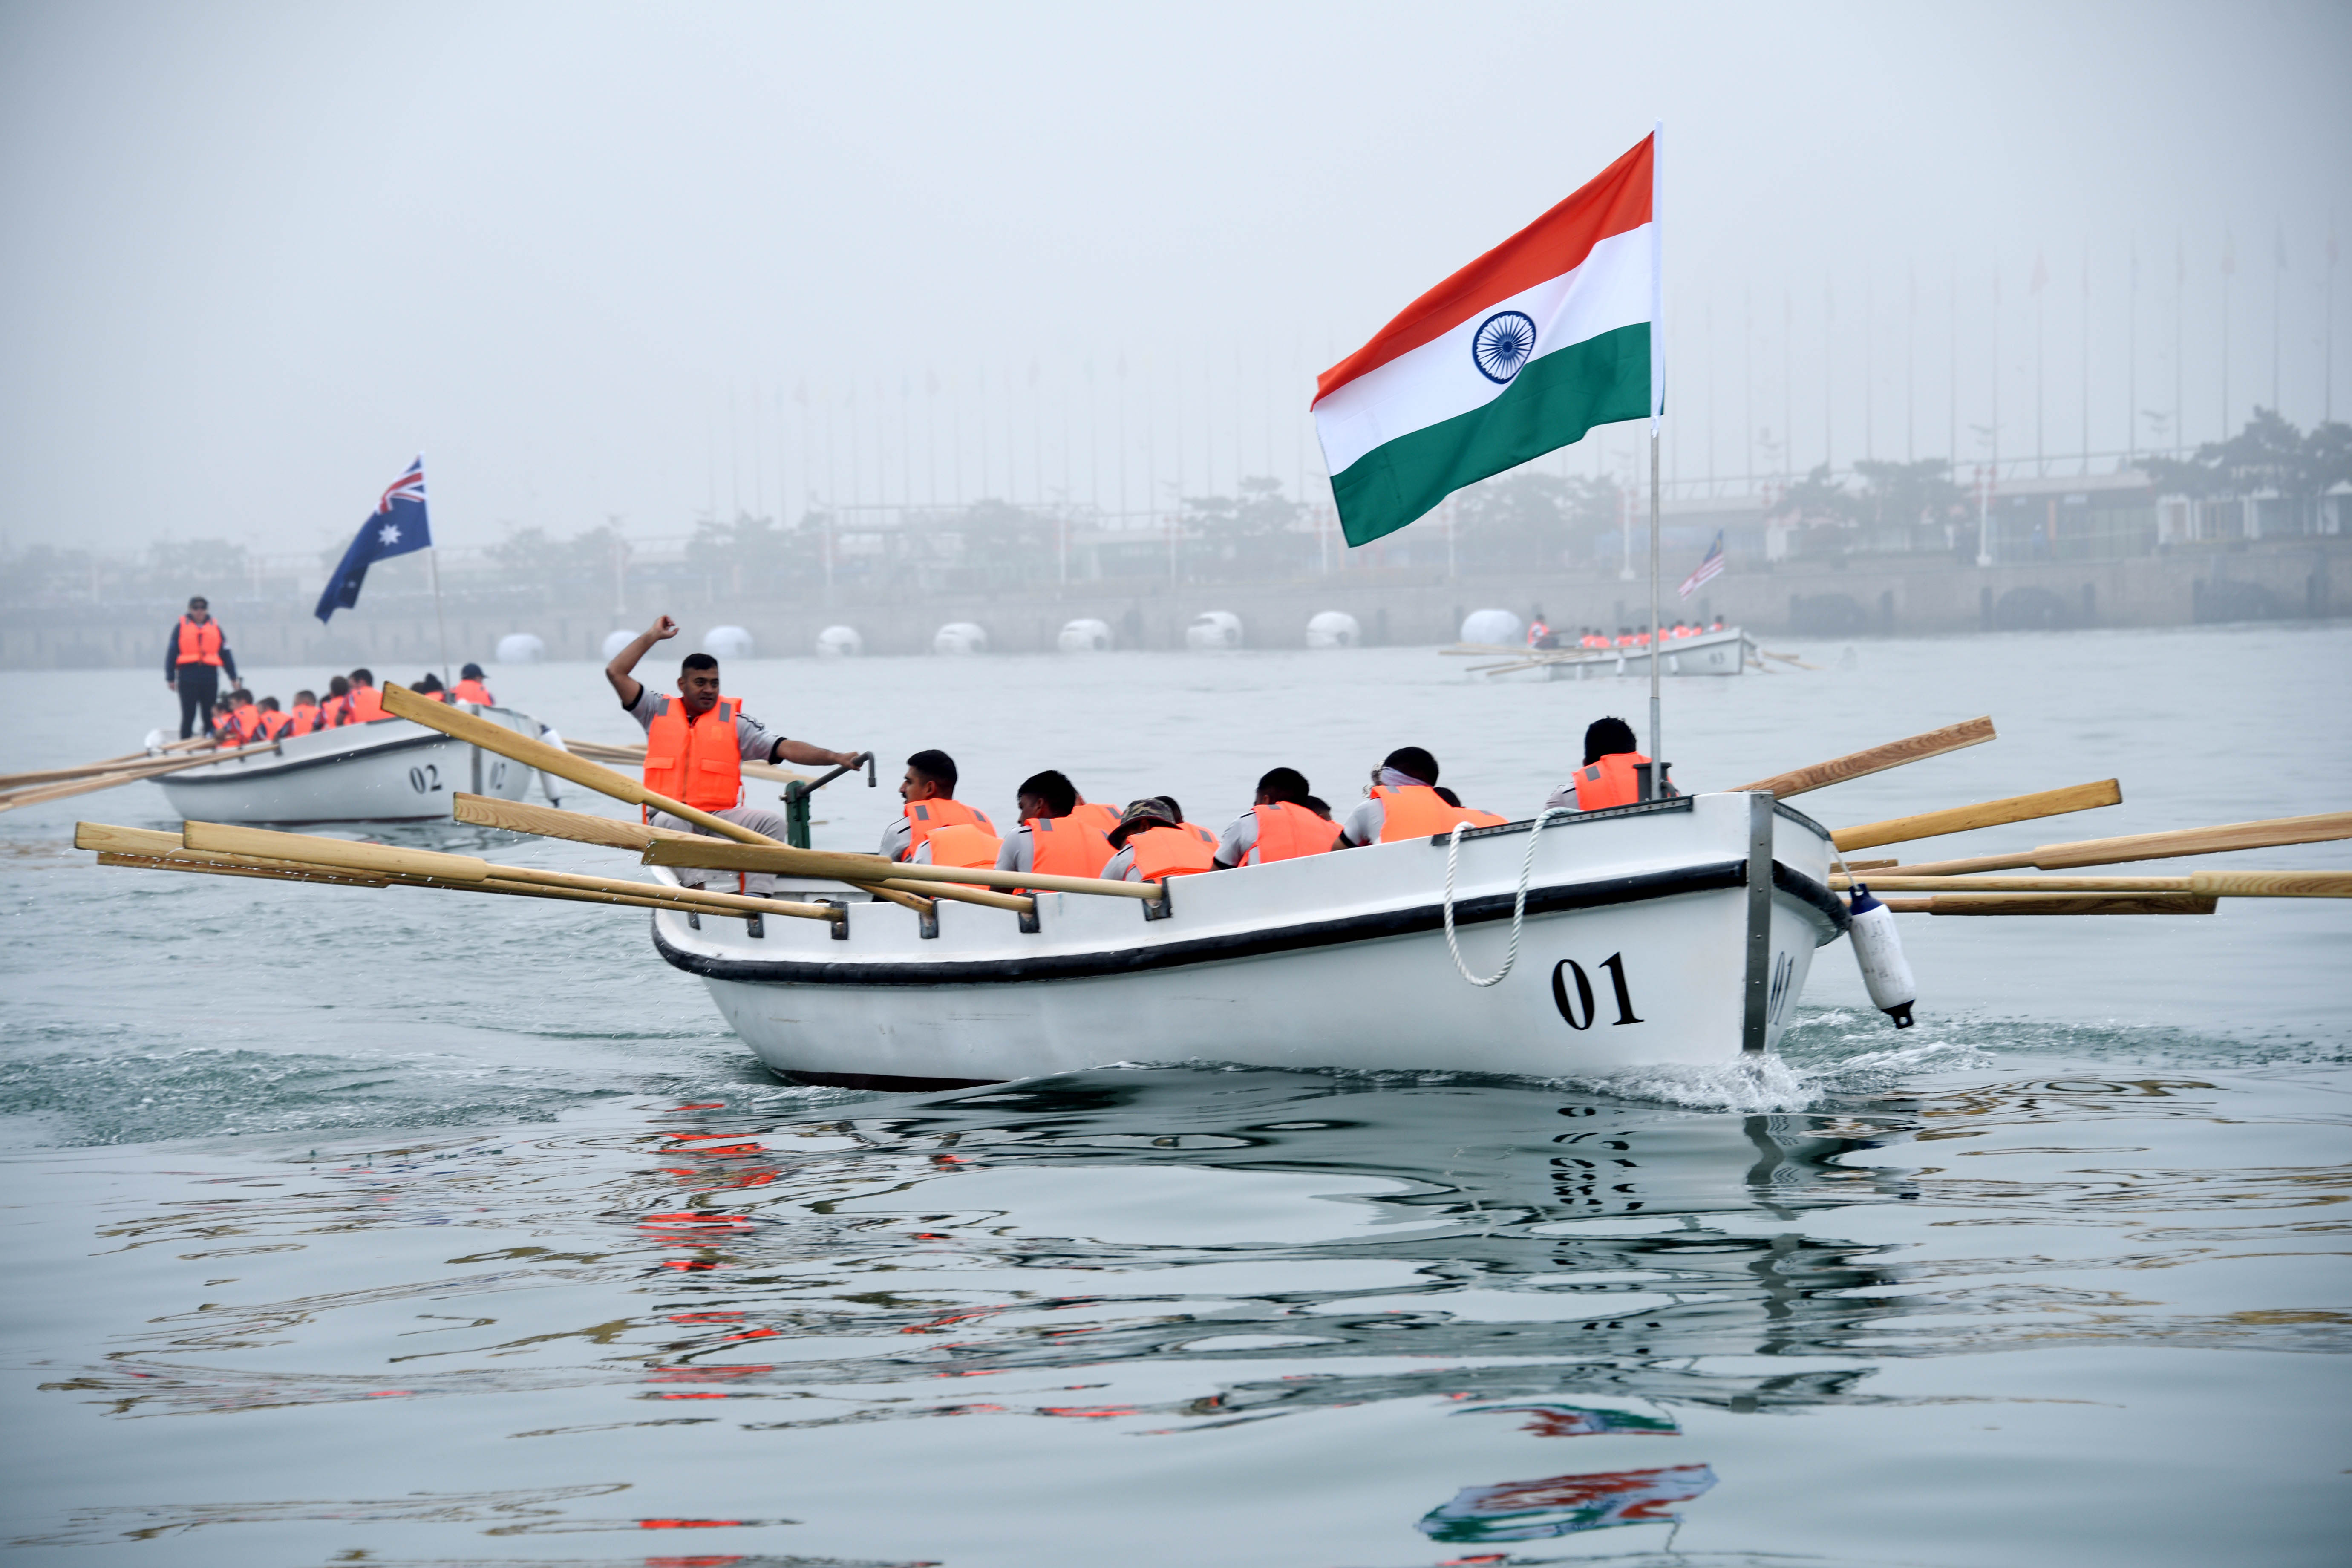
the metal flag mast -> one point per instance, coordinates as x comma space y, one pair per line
1657, 407
441, 624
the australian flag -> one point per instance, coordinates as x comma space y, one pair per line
397, 526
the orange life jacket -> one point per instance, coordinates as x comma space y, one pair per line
1170, 852
1286, 831
1537, 632
243, 726
333, 711
925, 818
199, 644
305, 717
1417, 811
224, 727
272, 725
470, 691
364, 704
1065, 846
1095, 815
700, 763
1594, 640
964, 844
1611, 780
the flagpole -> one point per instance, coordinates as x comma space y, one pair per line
1657, 407
433, 576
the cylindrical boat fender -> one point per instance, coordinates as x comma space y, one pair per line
549, 784
1879, 951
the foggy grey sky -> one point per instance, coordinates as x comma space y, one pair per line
585, 256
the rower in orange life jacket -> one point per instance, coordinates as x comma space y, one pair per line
337, 708
270, 721
928, 790
469, 688
304, 715
1154, 842
1607, 777
1403, 802
697, 742
1279, 825
1053, 838
1537, 632
365, 704
194, 656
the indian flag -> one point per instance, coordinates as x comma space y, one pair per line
1551, 332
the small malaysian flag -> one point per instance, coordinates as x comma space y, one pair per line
1710, 567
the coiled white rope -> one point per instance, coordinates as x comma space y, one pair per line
1518, 903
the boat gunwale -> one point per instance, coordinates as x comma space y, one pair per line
1230, 946
362, 749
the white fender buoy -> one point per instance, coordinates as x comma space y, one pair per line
547, 785
1085, 634
1498, 626
155, 741
960, 637
1879, 950
616, 641
839, 642
1333, 628
727, 642
1213, 629
520, 647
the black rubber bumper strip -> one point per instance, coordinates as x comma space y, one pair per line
1828, 905
1636, 888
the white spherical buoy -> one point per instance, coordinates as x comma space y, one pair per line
616, 641
1213, 629
1492, 627
520, 647
1334, 628
727, 642
839, 642
1085, 634
960, 637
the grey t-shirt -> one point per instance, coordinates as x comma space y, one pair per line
1364, 824
752, 737
1238, 843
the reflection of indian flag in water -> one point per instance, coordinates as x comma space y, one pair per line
1538, 1511
1547, 335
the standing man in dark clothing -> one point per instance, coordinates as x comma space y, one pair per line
194, 658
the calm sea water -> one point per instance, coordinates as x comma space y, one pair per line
404, 1227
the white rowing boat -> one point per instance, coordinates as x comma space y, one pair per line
1726, 652
1677, 931
388, 771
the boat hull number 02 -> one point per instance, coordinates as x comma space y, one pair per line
427, 779
1571, 992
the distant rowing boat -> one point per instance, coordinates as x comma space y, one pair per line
1724, 652
388, 771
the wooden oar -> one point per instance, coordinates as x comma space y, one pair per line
2273, 884
34, 796
12, 782
842, 868
406, 704
1984, 814
581, 827
2274, 832
1877, 759
226, 867
1786, 658
381, 858
2054, 904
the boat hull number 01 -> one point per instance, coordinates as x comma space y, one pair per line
427, 779
1571, 992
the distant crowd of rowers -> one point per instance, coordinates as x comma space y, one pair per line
697, 741
197, 655
1541, 635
